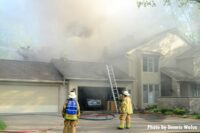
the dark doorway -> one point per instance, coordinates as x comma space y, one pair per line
94, 98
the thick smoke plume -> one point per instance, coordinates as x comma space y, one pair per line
78, 29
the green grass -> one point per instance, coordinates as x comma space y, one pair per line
2, 125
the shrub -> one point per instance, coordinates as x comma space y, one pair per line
168, 113
156, 110
150, 107
163, 110
179, 111
197, 116
2, 125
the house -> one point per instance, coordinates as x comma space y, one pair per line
30, 87
180, 84
148, 61
91, 81
164, 71
40, 87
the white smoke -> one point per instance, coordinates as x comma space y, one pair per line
81, 30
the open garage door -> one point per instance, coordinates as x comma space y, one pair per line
28, 99
94, 98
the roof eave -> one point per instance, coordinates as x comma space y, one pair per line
33, 81
94, 79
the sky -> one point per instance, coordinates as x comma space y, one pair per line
78, 29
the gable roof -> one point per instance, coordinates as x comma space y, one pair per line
13, 70
82, 70
177, 74
193, 52
163, 43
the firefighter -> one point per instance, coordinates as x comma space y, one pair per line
126, 110
71, 113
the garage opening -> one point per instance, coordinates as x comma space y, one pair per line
95, 98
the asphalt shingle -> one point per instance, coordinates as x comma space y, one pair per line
28, 70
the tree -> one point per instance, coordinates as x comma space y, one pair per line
186, 14
152, 3
26, 53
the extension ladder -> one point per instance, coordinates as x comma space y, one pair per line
113, 85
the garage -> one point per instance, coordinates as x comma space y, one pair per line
91, 82
28, 99
95, 98
29, 87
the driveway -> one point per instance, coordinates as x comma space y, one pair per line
140, 123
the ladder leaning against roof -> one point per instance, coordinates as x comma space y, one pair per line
113, 85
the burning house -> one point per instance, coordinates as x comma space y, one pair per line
39, 87
91, 82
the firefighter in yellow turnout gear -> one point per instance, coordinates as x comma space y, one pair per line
126, 110
71, 113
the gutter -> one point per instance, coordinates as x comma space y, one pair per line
92, 79
32, 81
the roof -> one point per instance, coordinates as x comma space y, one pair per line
87, 70
177, 74
193, 52
163, 43
13, 70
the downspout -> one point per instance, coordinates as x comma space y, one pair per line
64, 85
62, 94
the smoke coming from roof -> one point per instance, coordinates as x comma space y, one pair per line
78, 30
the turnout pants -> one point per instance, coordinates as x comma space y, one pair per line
125, 119
70, 126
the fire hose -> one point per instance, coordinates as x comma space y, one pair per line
98, 117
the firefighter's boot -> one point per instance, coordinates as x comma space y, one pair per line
128, 121
121, 126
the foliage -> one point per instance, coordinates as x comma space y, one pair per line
156, 110
149, 107
152, 108
164, 110
2, 125
168, 113
179, 111
152, 3
196, 116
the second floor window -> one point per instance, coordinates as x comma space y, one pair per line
150, 63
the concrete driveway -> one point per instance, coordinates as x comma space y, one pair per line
140, 123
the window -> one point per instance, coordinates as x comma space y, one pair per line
150, 63
196, 91
145, 64
150, 88
156, 59
150, 93
145, 93
157, 92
